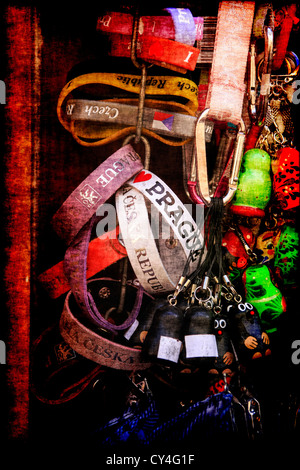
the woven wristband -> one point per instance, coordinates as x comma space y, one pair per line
160, 51
159, 26
87, 342
226, 86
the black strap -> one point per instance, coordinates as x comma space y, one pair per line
212, 241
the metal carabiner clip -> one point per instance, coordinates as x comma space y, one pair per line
258, 110
198, 183
266, 75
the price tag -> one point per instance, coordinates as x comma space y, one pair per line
169, 349
128, 333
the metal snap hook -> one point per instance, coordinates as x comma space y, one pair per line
264, 69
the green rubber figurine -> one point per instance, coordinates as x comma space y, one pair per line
287, 256
264, 295
254, 186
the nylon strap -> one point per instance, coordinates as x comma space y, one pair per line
179, 88
139, 241
97, 188
185, 31
226, 87
102, 252
160, 51
99, 349
115, 115
160, 26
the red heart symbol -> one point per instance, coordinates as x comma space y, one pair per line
142, 176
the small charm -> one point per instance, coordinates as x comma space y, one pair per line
247, 333
265, 246
287, 178
254, 186
286, 257
200, 345
262, 292
225, 362
164, 339
236, 254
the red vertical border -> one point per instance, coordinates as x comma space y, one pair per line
20, 182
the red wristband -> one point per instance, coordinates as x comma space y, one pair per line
159, 26
164, 52
282, 34
252, 137
102, 252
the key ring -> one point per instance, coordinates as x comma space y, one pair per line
292, 67
206, 302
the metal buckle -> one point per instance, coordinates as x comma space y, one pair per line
198, 183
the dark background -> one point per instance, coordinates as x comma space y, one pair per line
70, 38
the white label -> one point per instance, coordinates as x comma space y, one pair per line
169, 349
265, 84
128, 333
201, 346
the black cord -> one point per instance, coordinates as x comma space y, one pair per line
213, 260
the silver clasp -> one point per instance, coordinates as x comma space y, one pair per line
201, 163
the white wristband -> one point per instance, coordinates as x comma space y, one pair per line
138, 236
172, 209
139, 242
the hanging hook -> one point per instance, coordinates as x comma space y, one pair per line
143, 67
147, 148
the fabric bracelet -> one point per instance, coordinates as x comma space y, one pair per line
75, 219
160, 51
93, 134
57, 373
97, 188
102, 252
180, 220
185, 31
99, 349
226, 87
171, 208
137, 235
75, 270
119, 114
160, 26
179, 88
